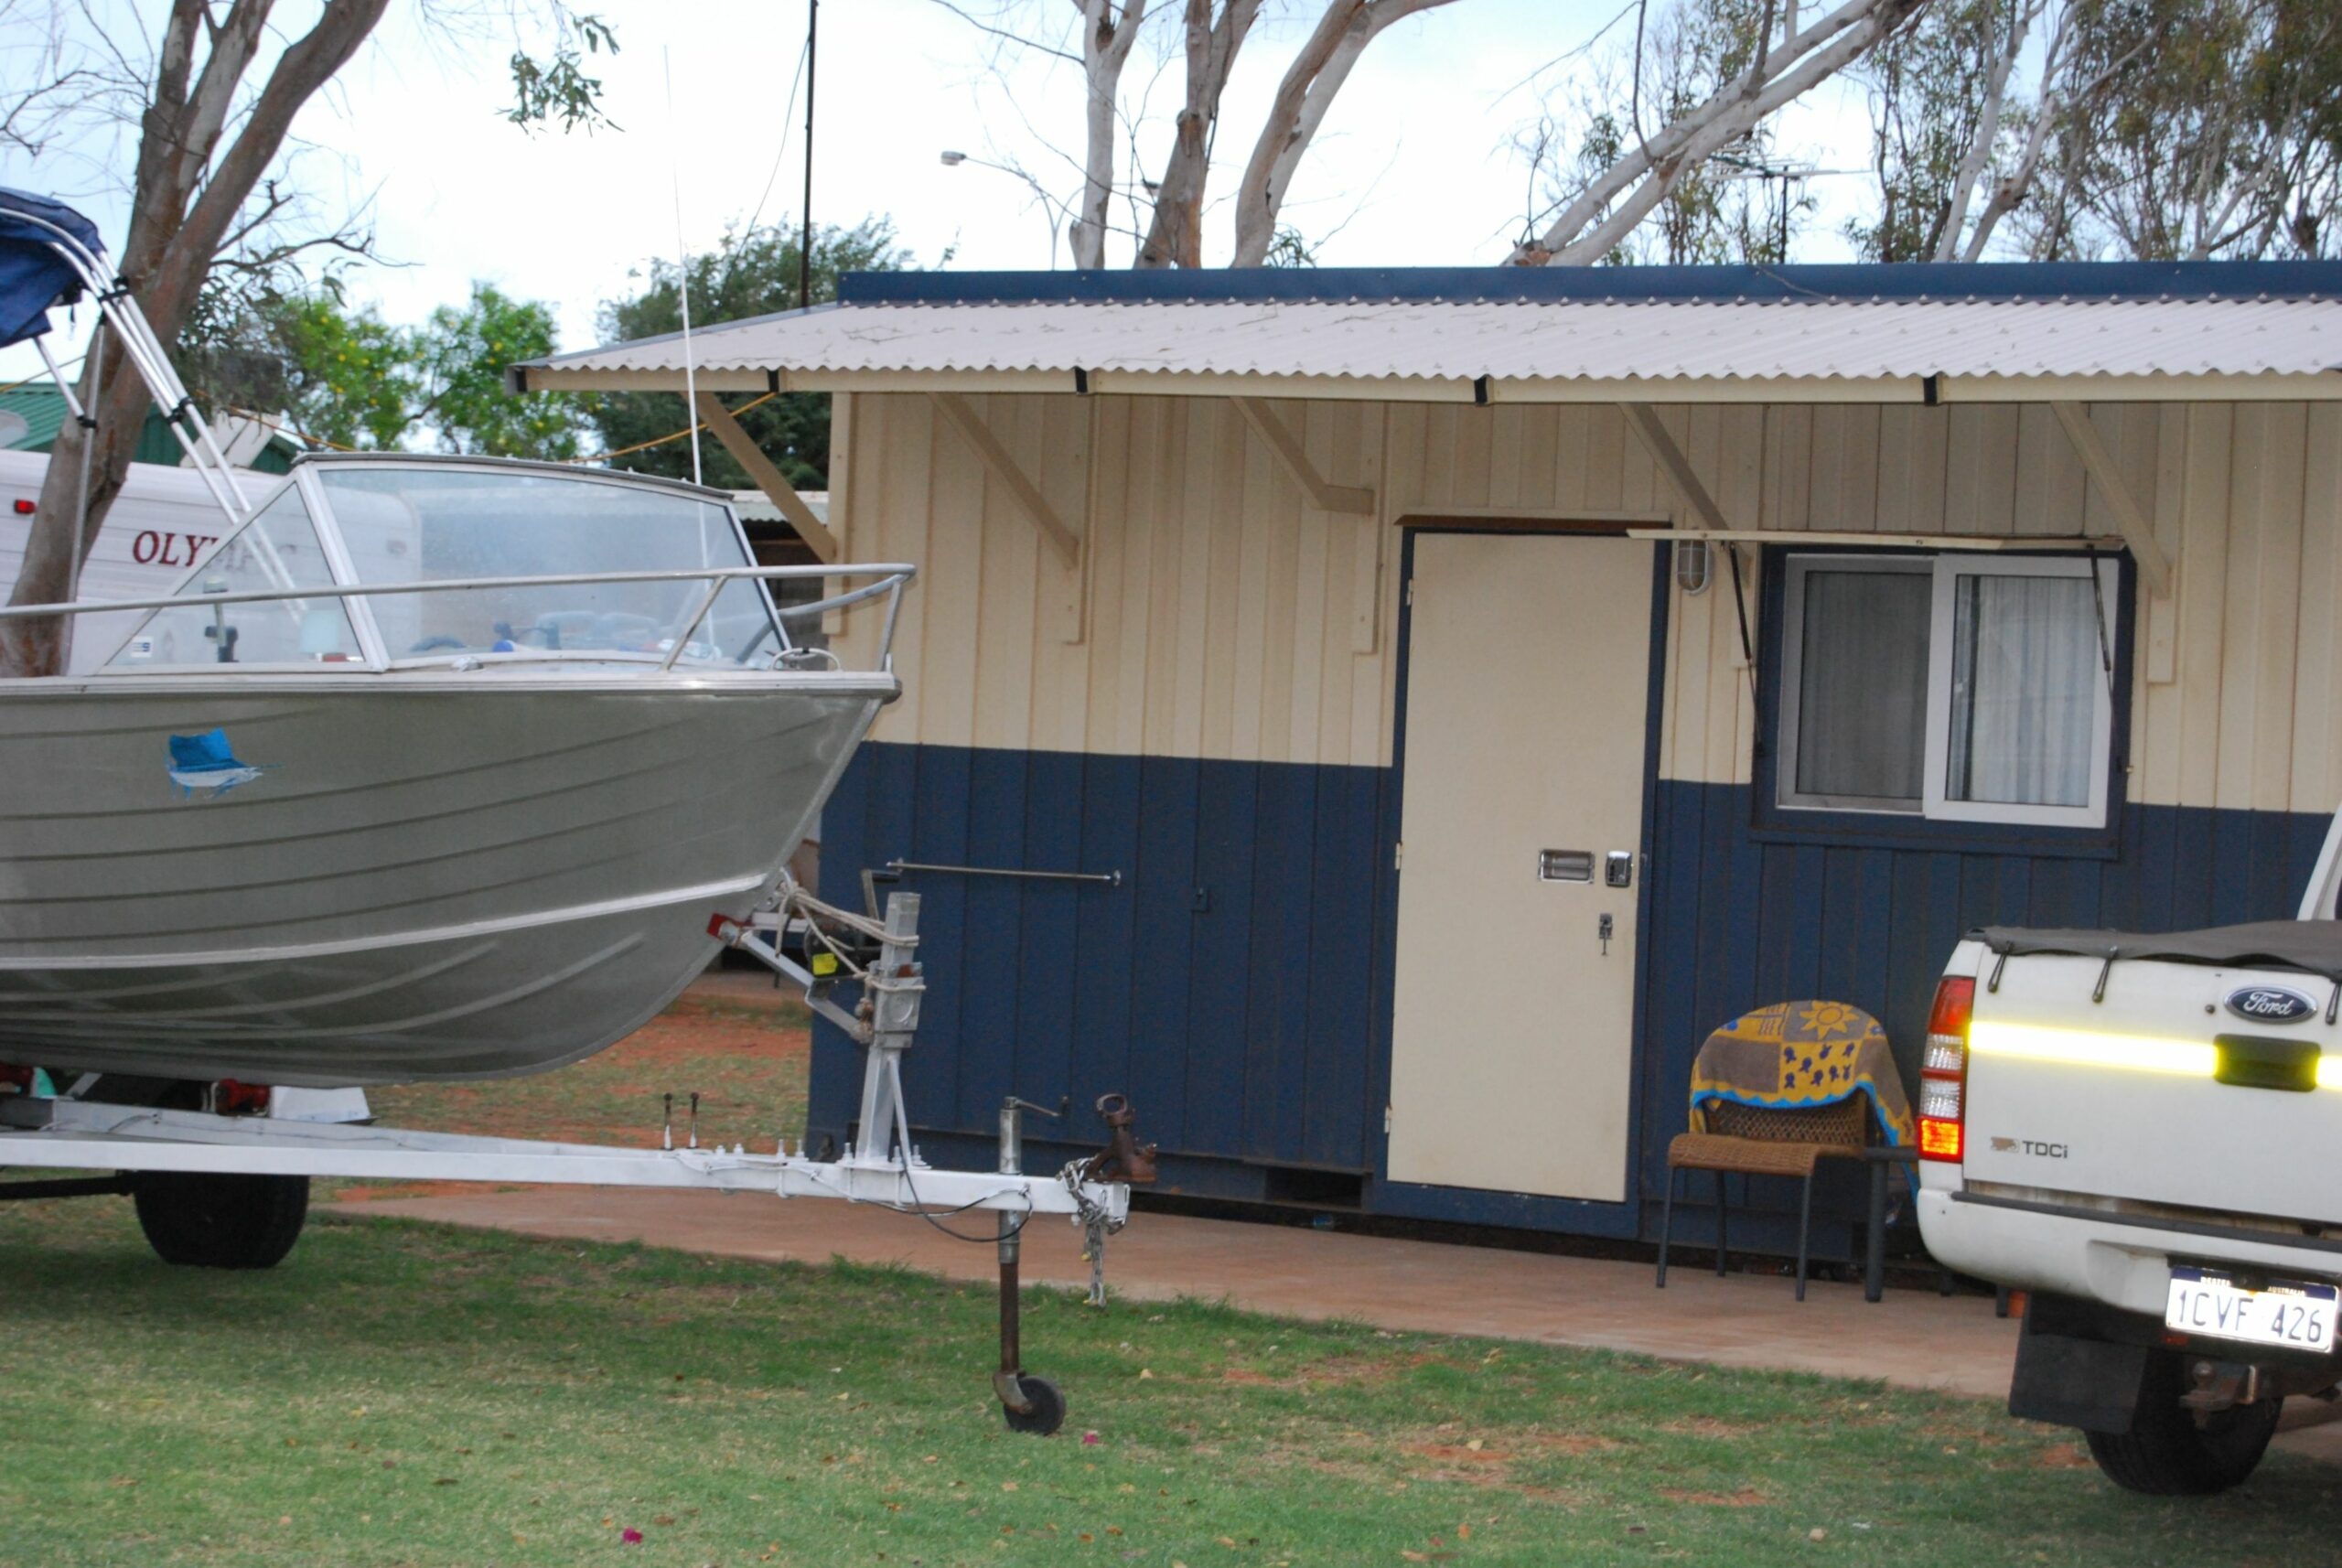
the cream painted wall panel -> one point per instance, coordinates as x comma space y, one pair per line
1573, 459
1159, 708
2155, 703
957, 590
1060, 660
1243, 522
2048, 475
2242, 701
1147, 487
1225, 617
1333, 444
1605, 459
2203, 583
1265, 501
2271, 629
1114, 440
896, 455
1980, 469
1011, 545
2318, 728
1470, 444
1912, 445
1845, 468
1789, 466
1731, 702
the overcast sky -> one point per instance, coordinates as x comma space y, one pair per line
1412, 167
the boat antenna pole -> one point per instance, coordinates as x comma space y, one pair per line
805, 246
682, 268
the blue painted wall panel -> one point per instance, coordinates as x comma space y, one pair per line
1225, 984
1252, 1025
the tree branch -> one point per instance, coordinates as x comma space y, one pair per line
1307, 91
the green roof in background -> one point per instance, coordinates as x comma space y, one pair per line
42, 409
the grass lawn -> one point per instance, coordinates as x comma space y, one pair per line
398, 1393
733, 1039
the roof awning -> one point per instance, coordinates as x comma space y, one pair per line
903, 333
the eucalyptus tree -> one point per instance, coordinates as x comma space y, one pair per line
214, 90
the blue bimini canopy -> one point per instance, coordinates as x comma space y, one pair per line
34, 273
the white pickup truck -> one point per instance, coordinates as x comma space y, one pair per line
2144, 1132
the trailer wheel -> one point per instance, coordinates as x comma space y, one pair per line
2166, 1455
218, 1219
1048, 1407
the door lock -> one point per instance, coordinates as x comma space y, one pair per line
1602, 930
1619, 868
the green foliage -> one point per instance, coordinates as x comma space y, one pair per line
2201, 128
1930, 84
557, 88
346, 377
751, 272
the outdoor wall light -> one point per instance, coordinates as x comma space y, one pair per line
1692, 564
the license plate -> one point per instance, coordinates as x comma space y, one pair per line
2290, 1316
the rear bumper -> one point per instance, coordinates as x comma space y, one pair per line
2118, 1261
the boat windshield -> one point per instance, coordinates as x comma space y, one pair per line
425, 523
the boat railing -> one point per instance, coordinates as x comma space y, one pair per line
890, 579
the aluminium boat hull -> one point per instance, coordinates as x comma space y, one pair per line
361, 880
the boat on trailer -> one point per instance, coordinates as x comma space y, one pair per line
437, 767
432, 768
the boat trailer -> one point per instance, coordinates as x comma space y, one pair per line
67, 1131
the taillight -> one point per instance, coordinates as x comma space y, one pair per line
230, 1097
1943, 1070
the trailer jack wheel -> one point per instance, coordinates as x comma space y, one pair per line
221, 1219
1043, 1402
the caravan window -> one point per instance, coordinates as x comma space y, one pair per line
1963, 688
277, 550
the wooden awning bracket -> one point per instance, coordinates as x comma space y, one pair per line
1644, 421
962, 417
1281, 441
2138, 528
778, 489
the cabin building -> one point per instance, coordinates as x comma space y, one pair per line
1440, 698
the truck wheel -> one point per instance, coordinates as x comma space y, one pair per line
218, 1219
2166, 1455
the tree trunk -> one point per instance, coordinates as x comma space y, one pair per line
1310, 83
1106, 40
1175, 237
1979, 155
181, 210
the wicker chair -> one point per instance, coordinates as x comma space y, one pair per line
1749, 1140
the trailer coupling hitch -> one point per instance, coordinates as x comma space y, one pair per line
1125, 1158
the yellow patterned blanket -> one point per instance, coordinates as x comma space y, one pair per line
1803, 1053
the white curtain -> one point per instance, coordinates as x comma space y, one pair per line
1862, 685
2025, 659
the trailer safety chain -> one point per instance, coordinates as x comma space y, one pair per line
1097, 1224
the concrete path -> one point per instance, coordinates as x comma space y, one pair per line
1914, 1337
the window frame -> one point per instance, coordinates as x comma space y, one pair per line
1932, 814
1795, 568
1936, 805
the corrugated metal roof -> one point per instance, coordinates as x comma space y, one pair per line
1597, 340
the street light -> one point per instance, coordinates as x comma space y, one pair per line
1050, 206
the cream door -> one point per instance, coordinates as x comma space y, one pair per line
1528, 681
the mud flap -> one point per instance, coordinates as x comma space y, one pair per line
2068, 1376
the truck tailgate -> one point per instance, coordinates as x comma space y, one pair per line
2181, 1084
